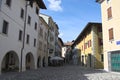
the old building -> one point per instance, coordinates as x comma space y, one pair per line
111, 39
67, 52
43, 43
19, 21
52, 35
89, 45
59, 46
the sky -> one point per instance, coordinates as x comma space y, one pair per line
72, 15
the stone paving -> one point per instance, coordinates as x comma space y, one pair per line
61, 73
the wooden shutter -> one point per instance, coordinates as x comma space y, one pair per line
109, 12
111, 36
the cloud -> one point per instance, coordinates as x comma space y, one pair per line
61, 34
55, 5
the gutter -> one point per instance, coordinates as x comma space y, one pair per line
24, 31
0, 4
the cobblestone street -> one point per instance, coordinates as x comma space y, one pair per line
61, 73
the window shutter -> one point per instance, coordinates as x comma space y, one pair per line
111, 34
109, 12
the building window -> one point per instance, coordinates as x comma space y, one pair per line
109, 12
20, 35
5, 27
37, 11
102, 57
40, 45
8, 2
22, 13
41, 32
111, 36
45, 36
82, 47
85, 46
29, 20
27, 40
34, 42
100, 41
108, 1
35, 25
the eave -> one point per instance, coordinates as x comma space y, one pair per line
81, 35
99, 1
40, 3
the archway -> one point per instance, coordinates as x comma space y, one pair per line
10, 62
29, 61
39, 62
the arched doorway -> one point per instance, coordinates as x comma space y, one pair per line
10, 62
29, 61
39, 62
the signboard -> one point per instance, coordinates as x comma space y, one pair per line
118, 42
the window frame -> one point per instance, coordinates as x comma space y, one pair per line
5, 27
109, 13
20, 35
8, 3
27, 39
35, 26
111, 34
22, 13
34, 42
29, 20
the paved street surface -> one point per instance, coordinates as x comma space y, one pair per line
61, 73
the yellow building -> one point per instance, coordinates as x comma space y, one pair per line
111, 29
89, 44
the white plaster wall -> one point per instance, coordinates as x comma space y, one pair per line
10, 42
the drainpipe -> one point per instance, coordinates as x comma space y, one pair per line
0, 4
24, 31
48, 45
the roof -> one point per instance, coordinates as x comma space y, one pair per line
83, 31
99, 1
68, 43
40, 3
61, 41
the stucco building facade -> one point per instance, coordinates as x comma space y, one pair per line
89, 46
19, 20
111, 39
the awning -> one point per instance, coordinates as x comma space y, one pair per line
56, 58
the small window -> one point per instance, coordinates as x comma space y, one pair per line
8, 2
29, 20
35, 25
20, 35
100, 41
27, 40
37, 11
5, 27
109, 12
111, 36
34, 42
41, 32
22, 13
102, 57
108, 1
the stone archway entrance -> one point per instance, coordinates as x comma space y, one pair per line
10, 62
29, 61
39, 62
